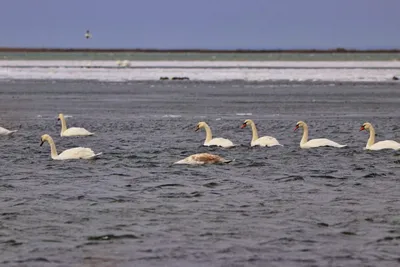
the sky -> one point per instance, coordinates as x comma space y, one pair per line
206, 24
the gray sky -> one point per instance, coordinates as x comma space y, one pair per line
218, 24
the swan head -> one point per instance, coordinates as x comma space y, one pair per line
245, 123
44, 138
299, 124
365, 126
200, 125
60, 116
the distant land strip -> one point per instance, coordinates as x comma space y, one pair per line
219, 51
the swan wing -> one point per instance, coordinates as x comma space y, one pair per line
320, 143
202, 158
265, 141
222, 142
387, 144
76, 131
77, 153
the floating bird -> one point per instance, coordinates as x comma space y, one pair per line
72, 153
320, 142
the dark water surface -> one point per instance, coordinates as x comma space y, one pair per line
271, 207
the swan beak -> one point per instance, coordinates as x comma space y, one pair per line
295, 128
243, 125
41, 143
362, 128
197, 128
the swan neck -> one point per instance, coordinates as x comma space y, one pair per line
304, 139
371, 139
63, 124
53, 149
208, 133
254, 130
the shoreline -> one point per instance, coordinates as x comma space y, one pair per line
199, 51
388, 82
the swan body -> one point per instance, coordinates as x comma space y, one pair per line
371, 145
222, 142
320, 142
202, 158
73, 153
4, 131
73, 131
262, 141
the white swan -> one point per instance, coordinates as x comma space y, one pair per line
262, 141
73, 131
371, 145
222, 142
4, 131
304, 143
202, 158
73, 153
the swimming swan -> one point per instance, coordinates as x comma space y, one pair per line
304, 143
222, 142
202, 158
73, 131
262, 141
73, 153
4, 131
371, 145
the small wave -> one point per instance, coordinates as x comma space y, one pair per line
171, 116
244, 114
169, 185
111, 237
211, 185
373, 175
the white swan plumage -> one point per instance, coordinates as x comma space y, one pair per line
320, 142
202, 158
210, 141
371, 145
73, 131
73, 153
4, 131
262, 141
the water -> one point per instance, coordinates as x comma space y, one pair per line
280, 206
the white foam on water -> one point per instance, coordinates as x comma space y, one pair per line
313, 71
244, 114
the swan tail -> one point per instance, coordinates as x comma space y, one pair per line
180, 162
95, 155
272, 145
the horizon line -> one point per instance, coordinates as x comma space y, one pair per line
197, 50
